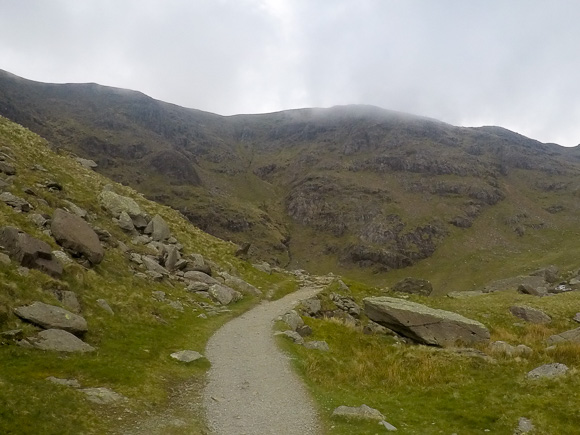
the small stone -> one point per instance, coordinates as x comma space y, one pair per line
304, 330
186, 355
576, 317
197, 287
105, 306
388, 426
292, 335
362, 412
176, 305
317, 345
524, 426
103, 396
159, 295
4, 259
73, 383
548, 371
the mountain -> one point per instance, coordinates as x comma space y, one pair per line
357, 189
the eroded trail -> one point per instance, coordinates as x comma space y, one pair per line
251, 386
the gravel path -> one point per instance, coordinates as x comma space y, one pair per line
251, 386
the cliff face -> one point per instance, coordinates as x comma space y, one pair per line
351, 186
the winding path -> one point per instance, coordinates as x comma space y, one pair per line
251, 386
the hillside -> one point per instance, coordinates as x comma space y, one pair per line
93, 303
354, 189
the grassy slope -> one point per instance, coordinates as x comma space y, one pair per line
133, 345
423, 390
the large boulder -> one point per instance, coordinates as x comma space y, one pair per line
52, 317
60, 341
29, 251
76, 236
424, 324
415, 286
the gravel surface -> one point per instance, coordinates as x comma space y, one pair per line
251, 386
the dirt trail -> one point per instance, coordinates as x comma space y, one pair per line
251, 386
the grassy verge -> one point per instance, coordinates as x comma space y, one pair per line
426, 390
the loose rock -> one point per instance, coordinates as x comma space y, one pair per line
76, 236
317, 345
186, 355
29, 251
362, 412
60, 341
103, 396
529, 314
548, 371
52, 317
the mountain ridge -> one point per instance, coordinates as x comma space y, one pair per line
354, 188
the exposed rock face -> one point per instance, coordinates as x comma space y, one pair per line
60, 341
415, 286
76, 236
532, 290
529, 314
423, 324
572, 336
52, 317
29, 251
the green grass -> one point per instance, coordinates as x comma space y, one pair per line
425, 390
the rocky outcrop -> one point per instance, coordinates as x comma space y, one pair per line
29, 251
424, 324
76, 236
52, 317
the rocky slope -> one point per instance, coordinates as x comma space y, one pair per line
104, 296
357, 188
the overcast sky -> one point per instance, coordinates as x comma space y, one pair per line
513, 63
